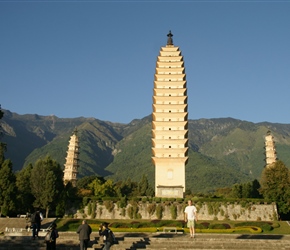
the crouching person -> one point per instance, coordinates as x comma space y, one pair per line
108, 236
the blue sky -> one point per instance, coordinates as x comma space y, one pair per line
97, 58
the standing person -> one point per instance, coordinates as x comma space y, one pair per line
190, 216
38, 219
35, 222
108, 235
84, 231
53, 234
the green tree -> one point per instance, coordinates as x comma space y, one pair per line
132, 187
126, 188
247, 190
237, 191
143, 185
121, 189
3, 149
85, 181
3, 146
25, 198
7, 188
97, 187
101, 189
109, 188
144, 188
275, 185
46, 184
255, 189
69, 199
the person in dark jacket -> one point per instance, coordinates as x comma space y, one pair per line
35, 223
38, 221
84, 231
107, 234
51, 243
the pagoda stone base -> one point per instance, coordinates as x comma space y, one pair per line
169, 191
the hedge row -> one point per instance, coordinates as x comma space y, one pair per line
180, 200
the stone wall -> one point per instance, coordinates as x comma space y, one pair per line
206, 211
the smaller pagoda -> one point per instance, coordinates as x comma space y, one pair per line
270, 149
72, 160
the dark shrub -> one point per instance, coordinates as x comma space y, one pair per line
266, 227
217, 226
117, 225
200, 226
227, 226
157, 199
156, 223
135, 224
205, 224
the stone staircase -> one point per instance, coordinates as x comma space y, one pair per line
160, 241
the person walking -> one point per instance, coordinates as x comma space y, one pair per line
84, 231
190, 216
53, 234
35, 223
107, 234
38, 220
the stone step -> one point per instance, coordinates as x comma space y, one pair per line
154, 247
69, 241
195, 244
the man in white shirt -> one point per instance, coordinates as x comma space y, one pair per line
190, 216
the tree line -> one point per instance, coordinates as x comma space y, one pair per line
274, 186
40, 186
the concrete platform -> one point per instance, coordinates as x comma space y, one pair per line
138, 241
22, 240
20, 223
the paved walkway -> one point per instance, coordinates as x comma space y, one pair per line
156, 241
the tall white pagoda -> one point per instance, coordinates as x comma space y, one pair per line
72, 160
169, 122
270, 149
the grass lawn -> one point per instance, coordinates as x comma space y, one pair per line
278, 227
283, 229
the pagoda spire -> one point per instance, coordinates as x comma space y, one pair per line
169, 39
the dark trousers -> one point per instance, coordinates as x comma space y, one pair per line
34, 230
51, 245
38, 226
84, 244
107, 246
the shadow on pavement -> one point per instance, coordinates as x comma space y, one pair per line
260, 237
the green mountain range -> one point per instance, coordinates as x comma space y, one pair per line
223, 151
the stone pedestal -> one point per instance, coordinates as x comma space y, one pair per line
170, 191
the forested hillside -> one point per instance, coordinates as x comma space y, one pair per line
223, 151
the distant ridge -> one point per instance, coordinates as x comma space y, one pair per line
223, 151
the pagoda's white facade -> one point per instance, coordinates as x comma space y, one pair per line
169, 122
72, 160
270, 149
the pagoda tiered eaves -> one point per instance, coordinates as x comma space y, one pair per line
169, 122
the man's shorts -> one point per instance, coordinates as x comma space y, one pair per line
190, 223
